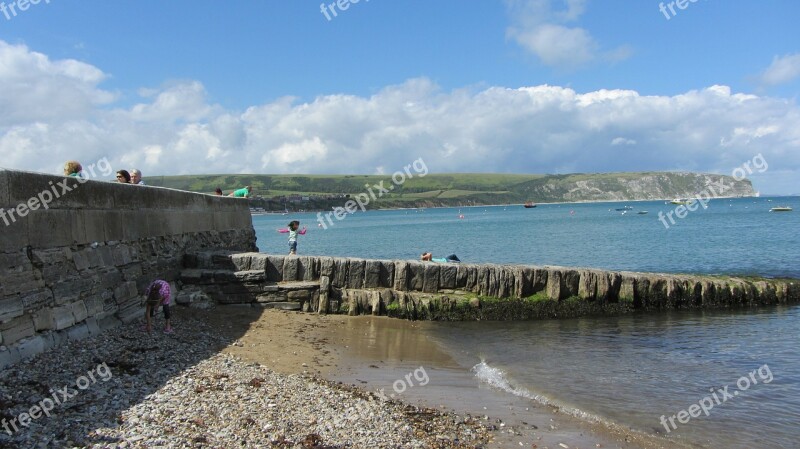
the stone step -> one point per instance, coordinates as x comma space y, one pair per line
202, 276
298, 285
281, 305
211, 260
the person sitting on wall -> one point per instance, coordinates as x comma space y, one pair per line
136, 177
241, 193
73, 168
218, 191
124, 177
429, 257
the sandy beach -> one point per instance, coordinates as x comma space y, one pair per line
246, 377
378, 354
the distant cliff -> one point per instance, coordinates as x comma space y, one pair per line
633, 186
319, 192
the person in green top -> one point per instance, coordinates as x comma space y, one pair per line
241, 193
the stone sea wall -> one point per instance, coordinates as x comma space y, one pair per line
80, 264
429, 290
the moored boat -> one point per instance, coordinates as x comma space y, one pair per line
781, 209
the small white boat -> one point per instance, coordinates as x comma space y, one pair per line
781, 209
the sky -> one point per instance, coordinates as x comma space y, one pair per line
368, 87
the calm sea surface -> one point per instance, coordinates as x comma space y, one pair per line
738, 236
629, 370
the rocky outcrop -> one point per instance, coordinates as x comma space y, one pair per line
426, 290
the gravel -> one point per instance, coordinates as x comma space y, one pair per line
130, 389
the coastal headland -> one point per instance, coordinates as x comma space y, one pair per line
420, 189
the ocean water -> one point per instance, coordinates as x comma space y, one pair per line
731, 236
632, 370
744, 366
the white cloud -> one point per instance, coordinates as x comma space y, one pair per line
782, 70
557, 45
543, 31
533, 129
622, 141
36, 88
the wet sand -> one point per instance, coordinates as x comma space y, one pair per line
397, 359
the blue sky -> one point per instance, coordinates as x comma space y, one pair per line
531, 86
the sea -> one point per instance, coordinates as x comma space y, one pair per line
715, 379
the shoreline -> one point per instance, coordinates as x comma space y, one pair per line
384, 355
519, 204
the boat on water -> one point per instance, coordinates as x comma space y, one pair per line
682, 201
642, 212
781, 209
529, 205
624, 208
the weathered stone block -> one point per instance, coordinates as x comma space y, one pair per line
43, 319
125, 292
50, 256
307, 269
37, 300
627, 289
274, 268
78, 332
430, 280
461, 276
570, 283
80, 259
22, 282
121, 255
106, 254
355, 273
14, 262
79, 311
554, 285
62, 317
401, 275
9, 357
241, 261
17, 329
10, 309
259, 261
251, 276
326, 266
416, 276
324, 288
132, 272
372, 274
290, 269
299, 295
339, 277
31, 346
93, 326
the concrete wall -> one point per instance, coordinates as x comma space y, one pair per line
429, 290
78, 265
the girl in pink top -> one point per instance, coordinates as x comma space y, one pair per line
158, 294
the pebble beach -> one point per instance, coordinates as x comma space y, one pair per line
130, 389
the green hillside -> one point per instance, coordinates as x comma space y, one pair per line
310, 192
